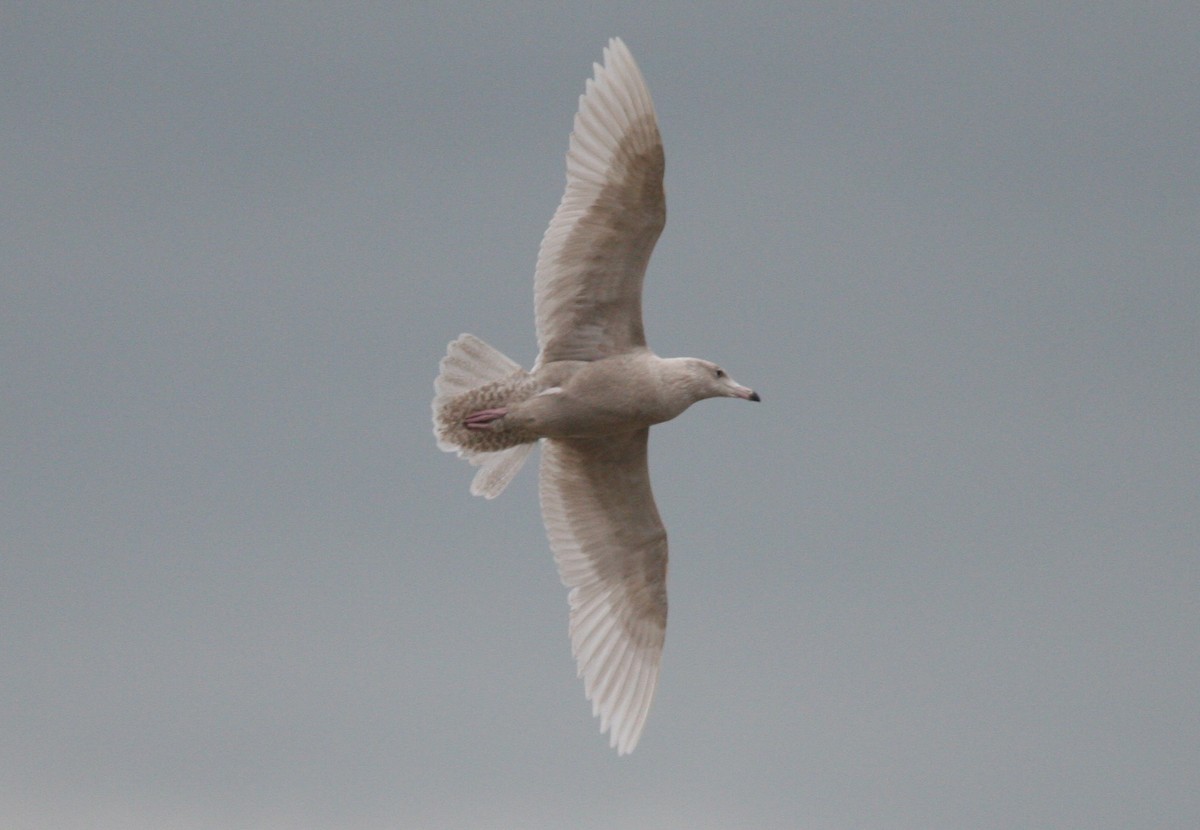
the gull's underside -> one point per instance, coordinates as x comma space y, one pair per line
591, 397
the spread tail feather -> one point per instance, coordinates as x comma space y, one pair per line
468, 365
497, 469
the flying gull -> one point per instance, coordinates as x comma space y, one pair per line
591, 397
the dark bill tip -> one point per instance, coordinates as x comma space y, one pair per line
754, 397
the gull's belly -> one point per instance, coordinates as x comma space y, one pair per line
597, 399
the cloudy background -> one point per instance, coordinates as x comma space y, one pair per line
946, 575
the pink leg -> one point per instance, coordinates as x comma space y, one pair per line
483, 418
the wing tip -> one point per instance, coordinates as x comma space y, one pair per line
620, 676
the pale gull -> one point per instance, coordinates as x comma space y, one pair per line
591, 397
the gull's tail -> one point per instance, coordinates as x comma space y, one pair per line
474, 376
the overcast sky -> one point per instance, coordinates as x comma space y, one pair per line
946, 575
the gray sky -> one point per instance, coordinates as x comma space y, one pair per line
945, 576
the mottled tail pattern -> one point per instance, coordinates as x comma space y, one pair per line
472, 377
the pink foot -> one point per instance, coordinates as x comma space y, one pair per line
484, 418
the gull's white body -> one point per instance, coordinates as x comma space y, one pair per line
591, 397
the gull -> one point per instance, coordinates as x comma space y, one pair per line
593, 393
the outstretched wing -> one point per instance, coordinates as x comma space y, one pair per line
588, 285
611, 550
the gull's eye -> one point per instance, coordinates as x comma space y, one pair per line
720, 373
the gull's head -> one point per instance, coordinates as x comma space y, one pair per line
708, 380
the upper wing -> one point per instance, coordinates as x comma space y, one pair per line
611, 550
588, 285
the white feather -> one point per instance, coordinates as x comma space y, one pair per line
588, 284
611, 550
